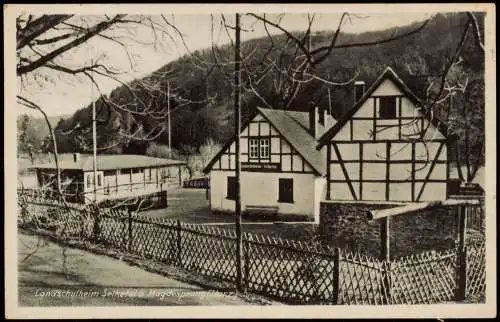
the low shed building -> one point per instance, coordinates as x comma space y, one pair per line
117, 176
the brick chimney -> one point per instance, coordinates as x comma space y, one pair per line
359, 90
314, 120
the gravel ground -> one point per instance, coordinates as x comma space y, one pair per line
53, 275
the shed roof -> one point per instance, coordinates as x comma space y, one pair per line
110, 162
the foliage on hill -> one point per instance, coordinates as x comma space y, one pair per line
203, 98
33, 134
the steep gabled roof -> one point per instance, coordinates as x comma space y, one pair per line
292, 126
110, 162
292, 130
387, 74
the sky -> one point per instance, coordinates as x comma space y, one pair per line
64, 95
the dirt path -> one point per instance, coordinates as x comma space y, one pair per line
51, 275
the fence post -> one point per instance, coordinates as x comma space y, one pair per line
246, 263
462, 255
482, 218
129, 239
96, 229
336, 276
179, 243
385, 253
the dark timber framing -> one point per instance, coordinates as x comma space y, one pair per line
328, 175
399, 116
413, 171
392, 161
433, 163
396, 140
387, 170
374, 119
361, 171
384, 141
261, 134
351, 134
406, 92
388, 161
344, 170
366, 118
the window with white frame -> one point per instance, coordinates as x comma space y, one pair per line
259, 148
254, 148
264, 148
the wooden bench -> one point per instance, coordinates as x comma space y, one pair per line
261, 212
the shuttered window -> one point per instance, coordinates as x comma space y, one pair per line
231, 188
285, 190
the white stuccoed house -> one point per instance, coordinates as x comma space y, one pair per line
281, 170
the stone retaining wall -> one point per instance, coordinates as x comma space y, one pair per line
347, 225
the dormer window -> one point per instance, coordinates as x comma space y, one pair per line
387, 109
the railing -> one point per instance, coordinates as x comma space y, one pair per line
291, 271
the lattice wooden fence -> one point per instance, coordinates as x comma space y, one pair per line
291, 271
429, 277
361, 279
476, 268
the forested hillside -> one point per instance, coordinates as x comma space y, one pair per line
202, 86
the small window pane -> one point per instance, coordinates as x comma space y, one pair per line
254, 148
264, 148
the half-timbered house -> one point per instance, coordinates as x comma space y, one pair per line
281, 169
386, 148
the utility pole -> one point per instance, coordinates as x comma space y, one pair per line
94, 131
237, 112
168, 121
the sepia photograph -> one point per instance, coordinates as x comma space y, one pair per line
240, 160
